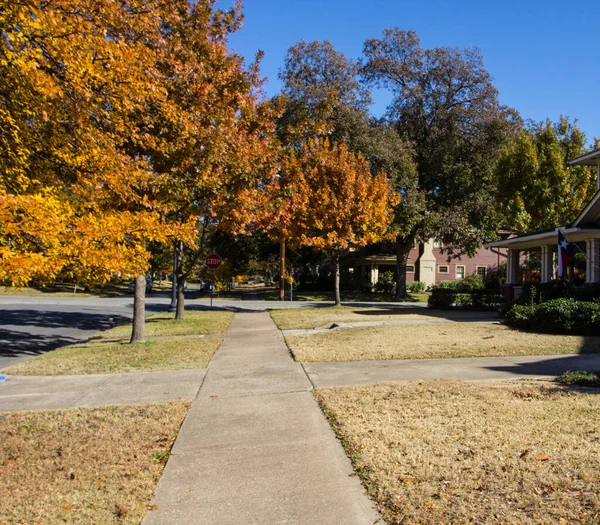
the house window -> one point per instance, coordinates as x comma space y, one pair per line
410, 268
443, 268
481, 270
437, 244
460, 271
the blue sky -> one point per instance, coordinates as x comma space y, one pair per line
541, 53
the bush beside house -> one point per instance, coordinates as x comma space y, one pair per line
557, 316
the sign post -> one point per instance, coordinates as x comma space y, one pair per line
213, 261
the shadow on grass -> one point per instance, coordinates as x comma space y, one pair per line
451, 315
588, 358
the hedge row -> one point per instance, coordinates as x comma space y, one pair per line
558, 316
446, 299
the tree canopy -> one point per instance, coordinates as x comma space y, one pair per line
445, 104
74, 77
537, 188
335, 203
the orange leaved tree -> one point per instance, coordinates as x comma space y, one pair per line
331, 201
214, 146
76, 195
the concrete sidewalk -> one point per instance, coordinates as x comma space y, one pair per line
464, 369
51, 392
255, 447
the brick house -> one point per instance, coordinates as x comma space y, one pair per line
426, 263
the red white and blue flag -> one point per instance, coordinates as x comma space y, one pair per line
566, 250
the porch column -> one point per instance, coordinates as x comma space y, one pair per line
547, 264
592, 269
512, 267
374, 274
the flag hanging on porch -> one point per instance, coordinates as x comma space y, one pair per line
566, 250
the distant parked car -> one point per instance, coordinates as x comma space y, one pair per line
148, 286
207, 287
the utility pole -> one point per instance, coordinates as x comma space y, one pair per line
282, 272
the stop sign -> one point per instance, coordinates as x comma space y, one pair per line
213, 261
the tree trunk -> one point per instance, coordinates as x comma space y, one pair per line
282, 271
180, 311
336, 273
138, 332
403, 246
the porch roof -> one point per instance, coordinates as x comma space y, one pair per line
546, 238
589, 159
591, 213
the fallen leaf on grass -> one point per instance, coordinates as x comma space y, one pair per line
524, 452
542, 457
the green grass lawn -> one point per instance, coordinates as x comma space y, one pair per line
110, 353
118, 357
196, 322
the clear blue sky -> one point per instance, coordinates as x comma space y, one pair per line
541, 53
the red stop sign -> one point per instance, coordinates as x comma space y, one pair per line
213, 261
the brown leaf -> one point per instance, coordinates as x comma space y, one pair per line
120, 511
524, 452
153, 507
542, 457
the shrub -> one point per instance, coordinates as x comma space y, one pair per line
416, 286
582, 378
560, 316
386, 282
445, 299
536, 293
495, 277
468, 284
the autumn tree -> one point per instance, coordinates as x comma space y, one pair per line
445, 104
537, 189
213, 138
325, 98
76, 198
335, 202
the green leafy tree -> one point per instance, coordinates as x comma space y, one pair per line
445, 104
537, 189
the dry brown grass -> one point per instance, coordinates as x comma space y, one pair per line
449, 452
308, 318
115, 357
84, 466
433, 341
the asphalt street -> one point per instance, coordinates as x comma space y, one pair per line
31, 326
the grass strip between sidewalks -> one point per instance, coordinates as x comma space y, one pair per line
196, 322
309, 318
451, 452
84, 465
433, 341
119, 357
110, 353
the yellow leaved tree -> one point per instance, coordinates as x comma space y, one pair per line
77, 195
